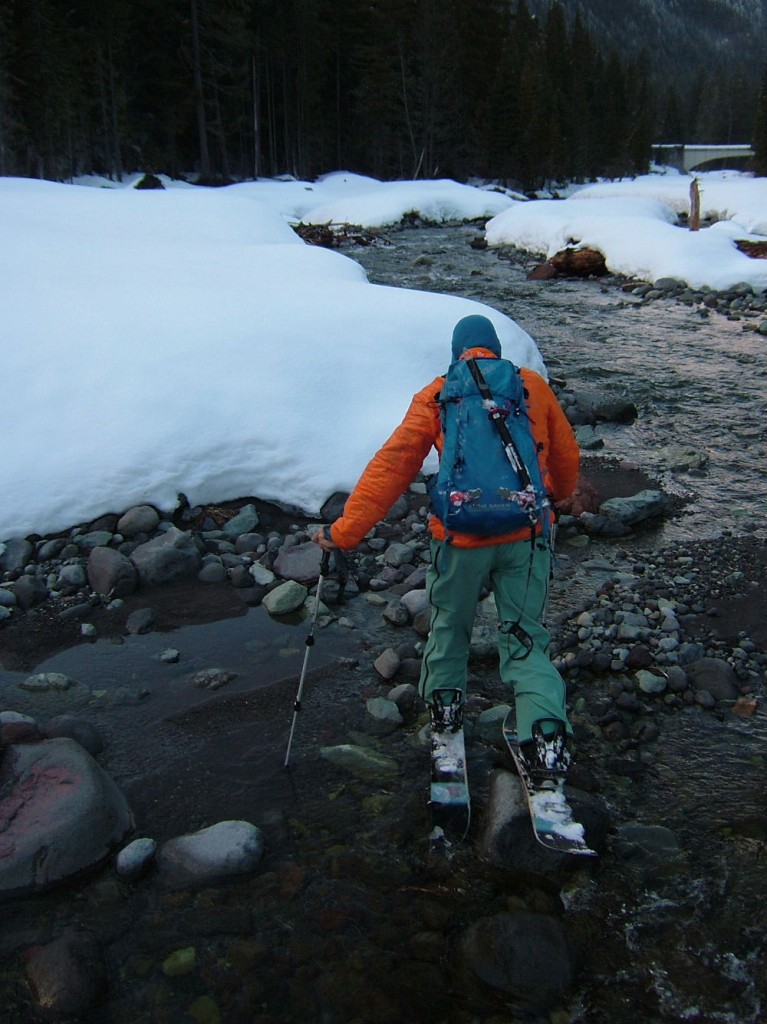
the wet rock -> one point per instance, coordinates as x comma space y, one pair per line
77, 729
286, 598
19, 731
180, 962
172, 556
508, 840
224, 850
522, 953
636, 509
362, 762
650, 850
385, 714
211, 678
679, 458
141, 620
67, 977
43, 682
110, 573
60, 814
134, 859
715, 677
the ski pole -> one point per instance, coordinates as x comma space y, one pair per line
324, 566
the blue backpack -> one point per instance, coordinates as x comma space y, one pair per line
489, 479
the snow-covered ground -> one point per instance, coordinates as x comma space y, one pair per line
156, 343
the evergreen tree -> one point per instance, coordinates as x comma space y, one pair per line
759, 136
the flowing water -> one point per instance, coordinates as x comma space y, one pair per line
342, 926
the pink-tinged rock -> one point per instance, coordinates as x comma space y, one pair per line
60, 815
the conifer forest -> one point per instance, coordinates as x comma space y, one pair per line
230, 89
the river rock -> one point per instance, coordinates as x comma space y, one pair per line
140, 519
387, 663
245, 521
140, 621
361, 761
522, 953
172, 556
77, 729
650, 850
714, 676
679, 458
29, 591
398, 554
15, 554
300, 562
286, 598
60, 814
385, 714
43, 682
490, 725
135, 858
636, 509
67, 977
223, 850
110, 573
415, 601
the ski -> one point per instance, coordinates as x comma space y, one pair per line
449, 803
551, 815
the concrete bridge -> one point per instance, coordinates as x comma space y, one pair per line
691, 158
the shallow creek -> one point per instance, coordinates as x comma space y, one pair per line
344, 926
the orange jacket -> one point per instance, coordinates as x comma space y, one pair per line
397, 463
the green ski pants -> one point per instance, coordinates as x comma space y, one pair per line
520, 586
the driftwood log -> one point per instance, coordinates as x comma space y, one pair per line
331, 236
756, 250
570, 263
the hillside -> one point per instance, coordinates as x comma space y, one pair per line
681, 38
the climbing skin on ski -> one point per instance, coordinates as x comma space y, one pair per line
449, 803
542, 769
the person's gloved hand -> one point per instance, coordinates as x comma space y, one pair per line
323, 538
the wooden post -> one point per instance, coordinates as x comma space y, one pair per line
694, 205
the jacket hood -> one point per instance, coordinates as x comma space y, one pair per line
474, 332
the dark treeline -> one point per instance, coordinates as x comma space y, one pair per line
228, 89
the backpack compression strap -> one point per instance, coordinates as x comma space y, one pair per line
512, 454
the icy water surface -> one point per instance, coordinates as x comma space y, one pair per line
343, 925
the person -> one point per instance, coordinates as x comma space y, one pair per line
516, 566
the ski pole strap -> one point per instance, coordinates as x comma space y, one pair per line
508, 441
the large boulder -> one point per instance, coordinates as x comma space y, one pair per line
110, 573
172, 556
60, 815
